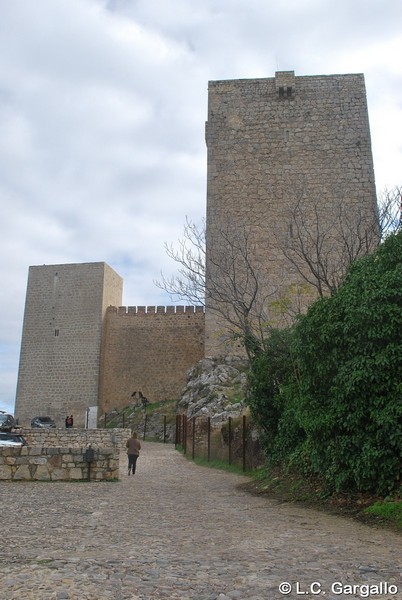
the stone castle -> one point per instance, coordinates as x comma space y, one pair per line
277, 147
82, 353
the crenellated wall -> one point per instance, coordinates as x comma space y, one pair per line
148, 350
150, 311
84, 354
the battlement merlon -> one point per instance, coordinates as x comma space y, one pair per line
150, 311
285, 83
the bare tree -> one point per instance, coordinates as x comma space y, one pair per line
239, 287
322, 248
220, 269
189, 254
226, 278
390, 211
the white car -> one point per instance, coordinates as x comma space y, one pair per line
12, 440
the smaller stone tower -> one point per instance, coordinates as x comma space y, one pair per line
61, 340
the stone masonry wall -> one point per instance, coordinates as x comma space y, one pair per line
61, 340
276, 144
148, 350
77, 438
57, 464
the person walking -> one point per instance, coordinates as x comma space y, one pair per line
133, 451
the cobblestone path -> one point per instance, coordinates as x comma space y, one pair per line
179, 531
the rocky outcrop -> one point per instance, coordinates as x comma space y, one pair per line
215, 388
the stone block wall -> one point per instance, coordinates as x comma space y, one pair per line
275, 144
77, 438
61, 339
83, 354
57, 464
148, 349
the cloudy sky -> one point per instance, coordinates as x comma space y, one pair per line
102, 113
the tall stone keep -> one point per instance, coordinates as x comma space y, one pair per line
61, 340
284, 153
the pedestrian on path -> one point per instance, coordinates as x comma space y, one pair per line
133, 451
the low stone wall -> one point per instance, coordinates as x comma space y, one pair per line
77, 438
57, 464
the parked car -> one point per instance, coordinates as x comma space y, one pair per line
7, 421
43, 422
12, 439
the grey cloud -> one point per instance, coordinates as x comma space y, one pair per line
102, 112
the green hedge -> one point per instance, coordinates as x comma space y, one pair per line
329, 392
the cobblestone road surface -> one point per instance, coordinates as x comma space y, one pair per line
180, 531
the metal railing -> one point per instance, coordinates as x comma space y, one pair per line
231, 442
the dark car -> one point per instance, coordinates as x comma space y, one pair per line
7, 422
43, 422
12, 440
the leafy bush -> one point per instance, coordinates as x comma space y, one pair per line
272, 385
328, 393
349, 348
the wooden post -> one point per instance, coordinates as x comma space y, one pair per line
230, 440
193, 449
244, 442
145, 424
185, 433
209, 439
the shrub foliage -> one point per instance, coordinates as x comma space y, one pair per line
328, 393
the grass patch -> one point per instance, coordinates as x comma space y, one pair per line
44, 561
220, 464
133, 417
214, 463
390, 512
